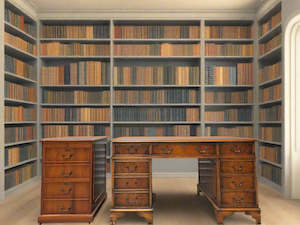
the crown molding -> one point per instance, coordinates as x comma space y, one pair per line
32, 4
265, 6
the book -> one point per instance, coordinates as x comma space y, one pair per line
229, 96
271, 133
270, 72
19, 92
229, 32
14, 155
270, 93
19, 67
272, 113
270, 23
270, 45
19, 43
18, 134
228, 49
270, 153
272, 173
19, 114
229, 130
229, 114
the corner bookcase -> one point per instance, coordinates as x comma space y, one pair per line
21, 155
270, 78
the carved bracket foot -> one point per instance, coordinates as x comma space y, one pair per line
221, 215
255, 215
114, 216
147, 215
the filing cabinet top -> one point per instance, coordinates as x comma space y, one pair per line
144, 139
83, 138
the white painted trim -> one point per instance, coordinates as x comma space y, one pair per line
265, 7
174, 174
292, 109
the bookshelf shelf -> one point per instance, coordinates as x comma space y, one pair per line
229, 86
272, 102
20, 163
270, 142
76, 122
272, 163
158, 105
271, 33
156, 40
157, 57
74, 105
229, 57
16, 101
157, 86
230, 122
75, 86
246, 40
155, 122
19, 53
16, 77
20, 123
75, 39
270, 122
74, 57
271, 55
18, 32
270, 183
228, 104
19, 143
270, 82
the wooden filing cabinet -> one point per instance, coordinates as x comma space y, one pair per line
73, 178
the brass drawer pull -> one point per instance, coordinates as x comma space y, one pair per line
204, 150
132, 151
238, 169
166, 150
236, 149
238, 185
66, 192
238, 200
131, 170
134, 201
67, 157
66, 175
65, 210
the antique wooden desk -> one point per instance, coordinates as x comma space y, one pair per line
73, 178
227, 173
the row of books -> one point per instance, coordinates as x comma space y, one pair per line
272, 173
75, 130
19, 114
19, 21
19, 67
20, 174
73, 49
268, 46
157, 31
14, 155
161, 130
19, 43
167, 74
273, 113
17, 134
230, 130
76, 96
76, 73
270, 72
84, 114
157, 96
272, 133
241, 114
270, 93
229, 96
81, 31
163, 49
213, 49
20, 92
229, 32
270, 153
240, 74
156, 114
270, 23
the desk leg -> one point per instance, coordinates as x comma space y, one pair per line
147, 215
114, 216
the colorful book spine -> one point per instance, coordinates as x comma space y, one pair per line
273, 113
18, 134
270, 23
14, 155
270, 153
229, 32
19, 92
270, 93
229, 96
19, 114
19, 67
214, 49
271, 172
230, 130
270, 45
241, 114
19, 43
271, 133
270, 72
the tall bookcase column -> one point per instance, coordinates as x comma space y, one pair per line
270, 78
2, 157
202, 76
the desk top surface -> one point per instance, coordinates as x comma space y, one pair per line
144, 139
83, 138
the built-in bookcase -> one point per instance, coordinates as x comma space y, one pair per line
270, 86
20, 98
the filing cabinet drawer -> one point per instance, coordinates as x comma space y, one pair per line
236, 150
131, 200
132, 183
237, 182
237, 167
66, 190
56, 153
65, 206
130, 149
66, 171
184, 149
132, 167
238, 199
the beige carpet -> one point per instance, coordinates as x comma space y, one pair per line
176, 204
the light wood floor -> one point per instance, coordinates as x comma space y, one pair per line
176, 204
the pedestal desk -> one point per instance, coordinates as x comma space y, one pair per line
227, 173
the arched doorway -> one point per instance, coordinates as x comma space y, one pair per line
292, 108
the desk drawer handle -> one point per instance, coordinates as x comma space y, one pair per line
238, 200
131, 170
132, 151
167, 150
63, 173
204, 150
237, 169
236, 149
238, 184
65, 210
65, 157
134, 201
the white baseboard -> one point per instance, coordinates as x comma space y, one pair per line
175, 174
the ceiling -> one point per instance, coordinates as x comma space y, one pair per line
49, 5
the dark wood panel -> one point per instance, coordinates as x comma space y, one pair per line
66, 190
236, 150
67, 171
237, 167
132, 167
131, 183
237, 182
239, 199
131, 200
131, 149
66, 206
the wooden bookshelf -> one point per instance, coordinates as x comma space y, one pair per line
20, 78
269, 79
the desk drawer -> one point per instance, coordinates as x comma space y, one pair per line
131, 149
65, 190
132, 167
238, 199
236, 150
131, 183
237, 167
65, 206
67, 171
237, 182
184, 149
132, 200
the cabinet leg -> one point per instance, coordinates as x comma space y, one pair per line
255, 215
221, 215
114, 216
147, 215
